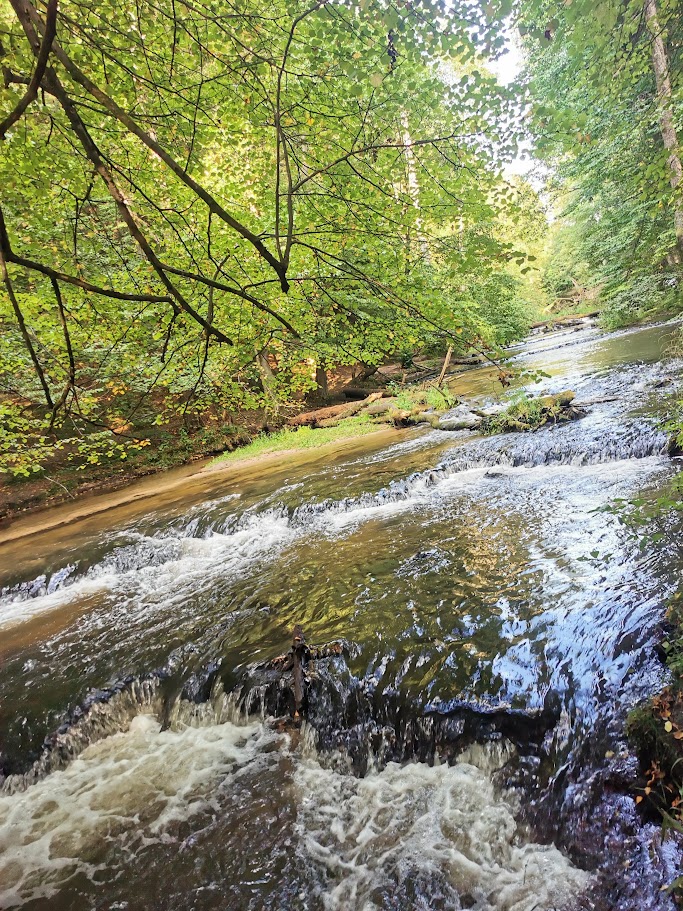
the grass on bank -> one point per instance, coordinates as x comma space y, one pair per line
422, 397
299, 439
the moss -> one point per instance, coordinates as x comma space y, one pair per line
655, 729
523, 414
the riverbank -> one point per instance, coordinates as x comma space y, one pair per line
655, 728
133, 492
239, 438
253, 436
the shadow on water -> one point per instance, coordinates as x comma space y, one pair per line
497, 625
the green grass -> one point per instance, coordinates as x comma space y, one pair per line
430, 397
303, 438
523, 413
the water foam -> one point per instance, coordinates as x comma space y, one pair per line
192, 559
412, 835
126, 790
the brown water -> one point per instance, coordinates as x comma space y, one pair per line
498, 625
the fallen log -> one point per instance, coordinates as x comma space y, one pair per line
603, 398
338, 412
357, 392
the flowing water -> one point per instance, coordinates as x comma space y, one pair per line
465, 750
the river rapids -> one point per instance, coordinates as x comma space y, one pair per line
465, 750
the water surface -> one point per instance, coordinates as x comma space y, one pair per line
466, 575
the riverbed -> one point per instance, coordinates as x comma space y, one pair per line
497, 619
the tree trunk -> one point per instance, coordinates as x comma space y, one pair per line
366, 372
660, 64
266, 374
321, 382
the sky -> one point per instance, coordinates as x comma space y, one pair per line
507, 68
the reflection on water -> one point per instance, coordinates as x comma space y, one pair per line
480, 571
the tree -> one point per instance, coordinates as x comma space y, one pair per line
660, 65
598, 109
189, 188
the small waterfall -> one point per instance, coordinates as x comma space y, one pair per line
235, 540
101, 715
343, 717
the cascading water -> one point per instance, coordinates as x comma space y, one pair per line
497, 624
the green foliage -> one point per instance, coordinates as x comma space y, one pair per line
655, 727
502, 307
640, 298
25, 451
524, 413
422, 397
596, 121
266, 190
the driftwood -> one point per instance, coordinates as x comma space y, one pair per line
604, 398
471, 360
337, 412
296, 661
446, 362
565, 320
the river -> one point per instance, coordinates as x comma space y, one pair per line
465, 751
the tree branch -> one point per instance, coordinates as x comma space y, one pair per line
41, 64
4, 274
92, 152
29, 18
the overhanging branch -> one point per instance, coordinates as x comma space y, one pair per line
41, 65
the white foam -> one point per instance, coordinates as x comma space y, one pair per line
196, 563
128, 789
444, 826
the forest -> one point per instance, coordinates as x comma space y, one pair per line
207, 209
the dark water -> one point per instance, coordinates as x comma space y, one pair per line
492, 611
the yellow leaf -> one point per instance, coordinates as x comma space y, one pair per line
668, 727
